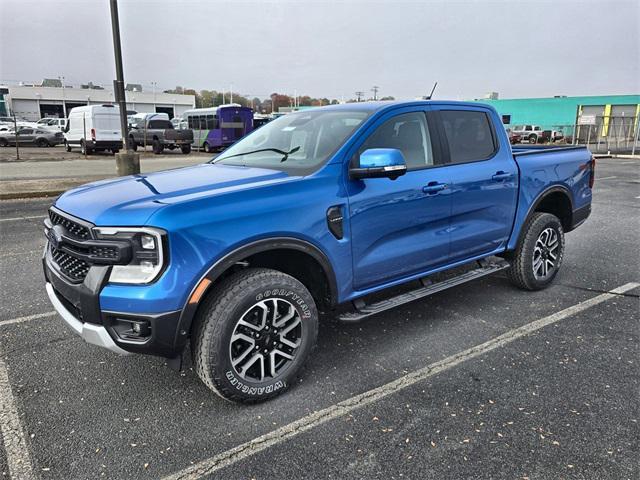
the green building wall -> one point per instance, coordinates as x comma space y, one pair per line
555, 112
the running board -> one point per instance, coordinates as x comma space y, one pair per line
363, 310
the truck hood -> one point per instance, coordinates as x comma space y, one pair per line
130, 201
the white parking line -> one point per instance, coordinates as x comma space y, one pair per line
13, 436
606, 178
11, 321
282, 434
13, 219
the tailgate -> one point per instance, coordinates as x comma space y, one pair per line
178, 135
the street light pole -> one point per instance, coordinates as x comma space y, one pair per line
126, 163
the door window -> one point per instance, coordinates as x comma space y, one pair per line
408, 133
469, 135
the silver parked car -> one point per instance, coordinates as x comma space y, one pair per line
28, 136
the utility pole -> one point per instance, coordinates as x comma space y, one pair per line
154, 85
64, 106
359, 96
375, 89
126, 163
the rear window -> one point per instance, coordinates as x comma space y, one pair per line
160, 124
469, 135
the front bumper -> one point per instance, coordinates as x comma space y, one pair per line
79, 306
90, 333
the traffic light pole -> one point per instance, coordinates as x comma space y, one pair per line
128, 162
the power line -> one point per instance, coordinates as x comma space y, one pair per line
375, 89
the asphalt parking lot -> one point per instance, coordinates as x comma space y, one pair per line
480, 381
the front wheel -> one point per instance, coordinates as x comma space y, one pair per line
253, 335
538, 256
533, 139
186, 149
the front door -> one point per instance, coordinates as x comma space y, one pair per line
400, 227
484, 185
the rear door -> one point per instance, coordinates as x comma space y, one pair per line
107, 127
484, 183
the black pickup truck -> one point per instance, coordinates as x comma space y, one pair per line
159, 133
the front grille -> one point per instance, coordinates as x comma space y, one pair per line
74, 228
72, 267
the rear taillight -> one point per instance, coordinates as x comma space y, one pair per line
93, 134
592, 177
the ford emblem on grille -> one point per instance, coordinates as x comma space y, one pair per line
55, 237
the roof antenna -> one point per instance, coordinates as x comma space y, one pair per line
432, 90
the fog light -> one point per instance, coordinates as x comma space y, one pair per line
129, 329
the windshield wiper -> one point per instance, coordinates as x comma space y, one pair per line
285, 155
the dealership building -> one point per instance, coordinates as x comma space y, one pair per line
35, 102
600, 115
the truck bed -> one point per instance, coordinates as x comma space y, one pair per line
532, 149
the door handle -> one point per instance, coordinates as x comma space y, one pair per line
433, 187
499, 176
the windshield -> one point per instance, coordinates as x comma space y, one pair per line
310, 137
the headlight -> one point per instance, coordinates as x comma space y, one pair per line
147, 258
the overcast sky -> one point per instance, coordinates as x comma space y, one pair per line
332, 49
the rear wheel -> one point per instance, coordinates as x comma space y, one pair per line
41, 142
254, 334
4, 142
207, 147
186, 149
533, 139
84, 148
157, 146
538, 256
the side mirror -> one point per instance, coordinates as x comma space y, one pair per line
379, 163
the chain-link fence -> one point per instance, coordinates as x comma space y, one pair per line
602, 134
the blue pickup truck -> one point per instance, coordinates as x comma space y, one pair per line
321, 211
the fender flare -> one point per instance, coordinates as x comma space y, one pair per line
541, 196
244, 251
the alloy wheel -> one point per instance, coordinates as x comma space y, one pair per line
545, 254
265, 340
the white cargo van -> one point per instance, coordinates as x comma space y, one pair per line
94, 128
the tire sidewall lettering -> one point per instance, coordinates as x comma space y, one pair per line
303, 307
254, 391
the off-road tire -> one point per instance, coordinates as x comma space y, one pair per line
217, 320
157, 146
521, 271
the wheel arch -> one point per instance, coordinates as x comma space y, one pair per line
556, 200
298, 258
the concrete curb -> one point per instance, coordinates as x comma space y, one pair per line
39, 187
43, 194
